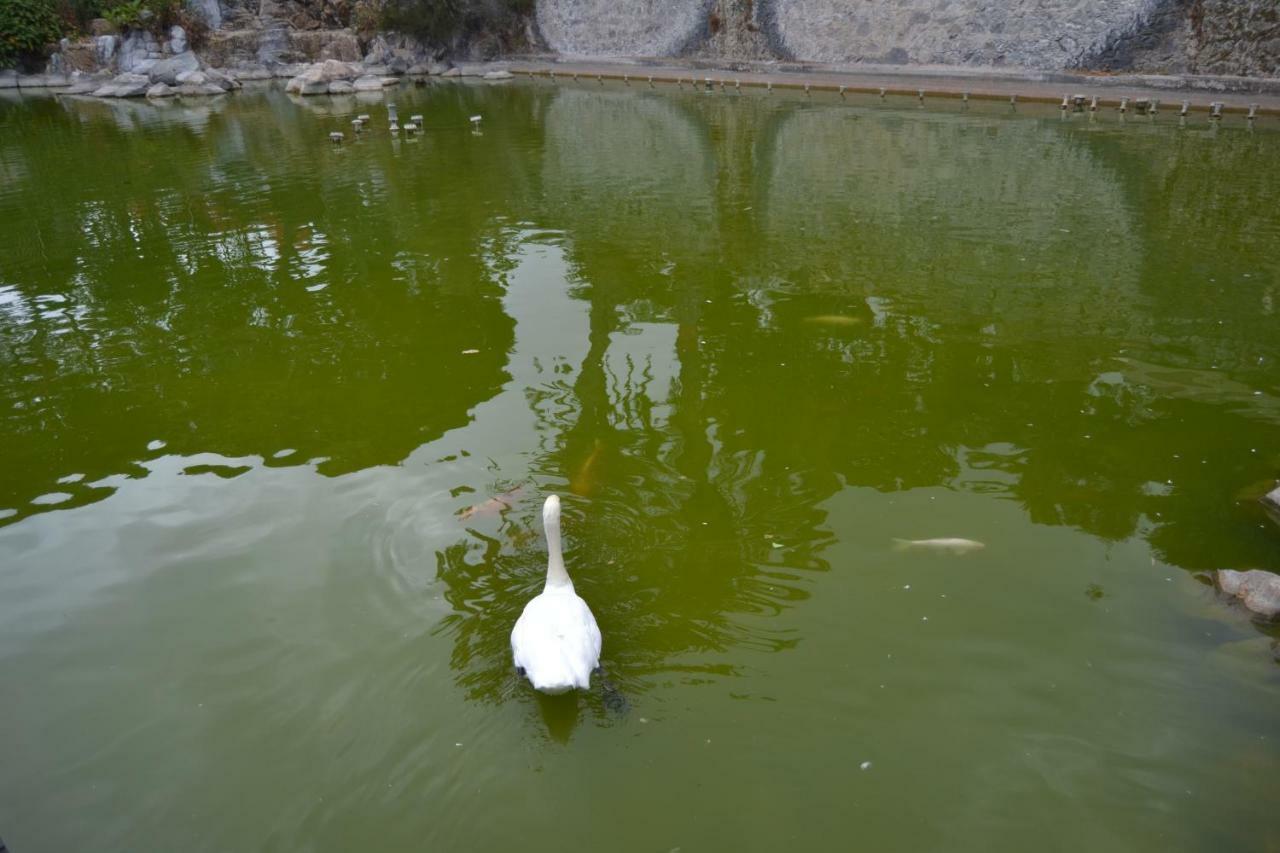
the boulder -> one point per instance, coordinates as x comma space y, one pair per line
79, 56
498, 75
101, 27
221, 80
420, 69
341, 87
161, 90
124, 86
104, 46
391, 81
177, 39
452, 72
199, 89
168, 70
250, 72
139, 50
87, 84
316, 79
438, 68
1259, 591
397, 65
367, 84
1272, 498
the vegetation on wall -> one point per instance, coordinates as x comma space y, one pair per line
29, 27
450, 21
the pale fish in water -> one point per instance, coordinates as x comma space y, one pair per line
950, 546
493, 505
833, 320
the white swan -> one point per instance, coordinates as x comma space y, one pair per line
556, 642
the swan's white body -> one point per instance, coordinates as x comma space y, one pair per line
556, 642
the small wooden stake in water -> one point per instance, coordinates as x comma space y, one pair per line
920, 95
1124, 105
806, 88
1186, 108
1253, 112
1093, 104
1215, 111
842, 91
1066, 100
392, 115
768, 87
626, 80
882, 93
650, 81
1013, 100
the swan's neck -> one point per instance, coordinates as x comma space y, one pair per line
556, 574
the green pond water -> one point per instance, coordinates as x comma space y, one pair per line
249, 380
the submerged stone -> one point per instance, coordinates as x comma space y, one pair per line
1259, 591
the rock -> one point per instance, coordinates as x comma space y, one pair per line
43, 81
222, 81
342, 46
397, 65
177, 39
251, 72
391, 81
498, 75
124, 86
438, 68
169, 70
87, 85
316, 79
341, 87
139, 50
1272, 498
161, 90
421, 69
368, 84
1258, 590
452, 72
80, 56
377, 70
200, 89
191, 77
210, 10
101, 27
105, 47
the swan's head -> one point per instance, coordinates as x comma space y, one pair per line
551, 511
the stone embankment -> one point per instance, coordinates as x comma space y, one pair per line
1230, 45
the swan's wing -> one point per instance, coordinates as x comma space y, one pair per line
556, 642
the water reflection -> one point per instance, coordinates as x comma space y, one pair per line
1042, 311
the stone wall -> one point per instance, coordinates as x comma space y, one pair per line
1232, 37
1238, 37
609, 28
